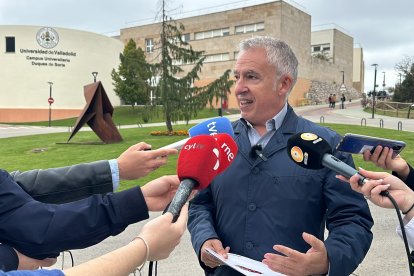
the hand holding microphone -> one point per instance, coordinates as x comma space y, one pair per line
312, 152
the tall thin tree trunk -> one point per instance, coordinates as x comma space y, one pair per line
165, 91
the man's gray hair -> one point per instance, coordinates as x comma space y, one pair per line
278, 54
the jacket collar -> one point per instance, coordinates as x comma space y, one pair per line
276, 143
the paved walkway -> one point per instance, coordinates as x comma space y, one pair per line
385, 257
352, 114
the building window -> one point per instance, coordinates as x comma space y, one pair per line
217, 57
212, 33
250, 28
316, 49
321, 48
10, 44
149, 45
185, 37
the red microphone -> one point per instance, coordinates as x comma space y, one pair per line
198, 164
228, 150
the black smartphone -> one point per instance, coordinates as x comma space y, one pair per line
357, 144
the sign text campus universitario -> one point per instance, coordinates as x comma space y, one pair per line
48, 38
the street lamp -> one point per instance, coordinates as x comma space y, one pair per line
50, 100
342, 89
94, 74
373, 93
343, 77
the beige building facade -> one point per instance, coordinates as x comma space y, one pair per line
35, 60
345, 56
337, 47
358, 69
218, 34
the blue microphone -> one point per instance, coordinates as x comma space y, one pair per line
210, 127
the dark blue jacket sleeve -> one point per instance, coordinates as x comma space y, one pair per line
66, 184
8, 258
41, 230
348, 221
200, 223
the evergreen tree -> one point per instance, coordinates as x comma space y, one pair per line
404, 92
131, 81
180, 98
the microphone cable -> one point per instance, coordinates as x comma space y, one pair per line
404, 235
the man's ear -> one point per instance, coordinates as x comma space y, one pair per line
284, 85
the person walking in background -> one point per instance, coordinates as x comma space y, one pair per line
343, 99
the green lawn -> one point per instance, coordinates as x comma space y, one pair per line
51, 150
127, 115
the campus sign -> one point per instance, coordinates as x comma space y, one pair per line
48, 38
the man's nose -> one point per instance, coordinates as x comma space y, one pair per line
240, 86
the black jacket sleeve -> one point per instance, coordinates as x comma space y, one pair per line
61, 185
410, 177
41, 230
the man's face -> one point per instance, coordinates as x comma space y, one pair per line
257, 91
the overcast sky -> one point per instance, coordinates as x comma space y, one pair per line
384, 29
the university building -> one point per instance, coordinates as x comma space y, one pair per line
41, 61
38, 62
218, 34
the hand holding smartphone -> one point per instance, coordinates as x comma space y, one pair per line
357, 144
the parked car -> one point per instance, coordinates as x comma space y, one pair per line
383, 95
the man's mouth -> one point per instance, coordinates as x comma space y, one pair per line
245, 102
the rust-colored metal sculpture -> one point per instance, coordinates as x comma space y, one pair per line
98, 114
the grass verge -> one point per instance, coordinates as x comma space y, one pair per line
51, 150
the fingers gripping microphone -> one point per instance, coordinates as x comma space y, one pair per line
312, 152
228, 150
210, 127
198, 164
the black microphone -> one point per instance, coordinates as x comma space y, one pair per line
313, 152
256, 150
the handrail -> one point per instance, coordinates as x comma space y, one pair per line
364, 120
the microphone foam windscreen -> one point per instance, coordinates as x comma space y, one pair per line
212, 126
307, 150
199, 160
228, 150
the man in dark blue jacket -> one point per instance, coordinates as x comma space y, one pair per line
266, 207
